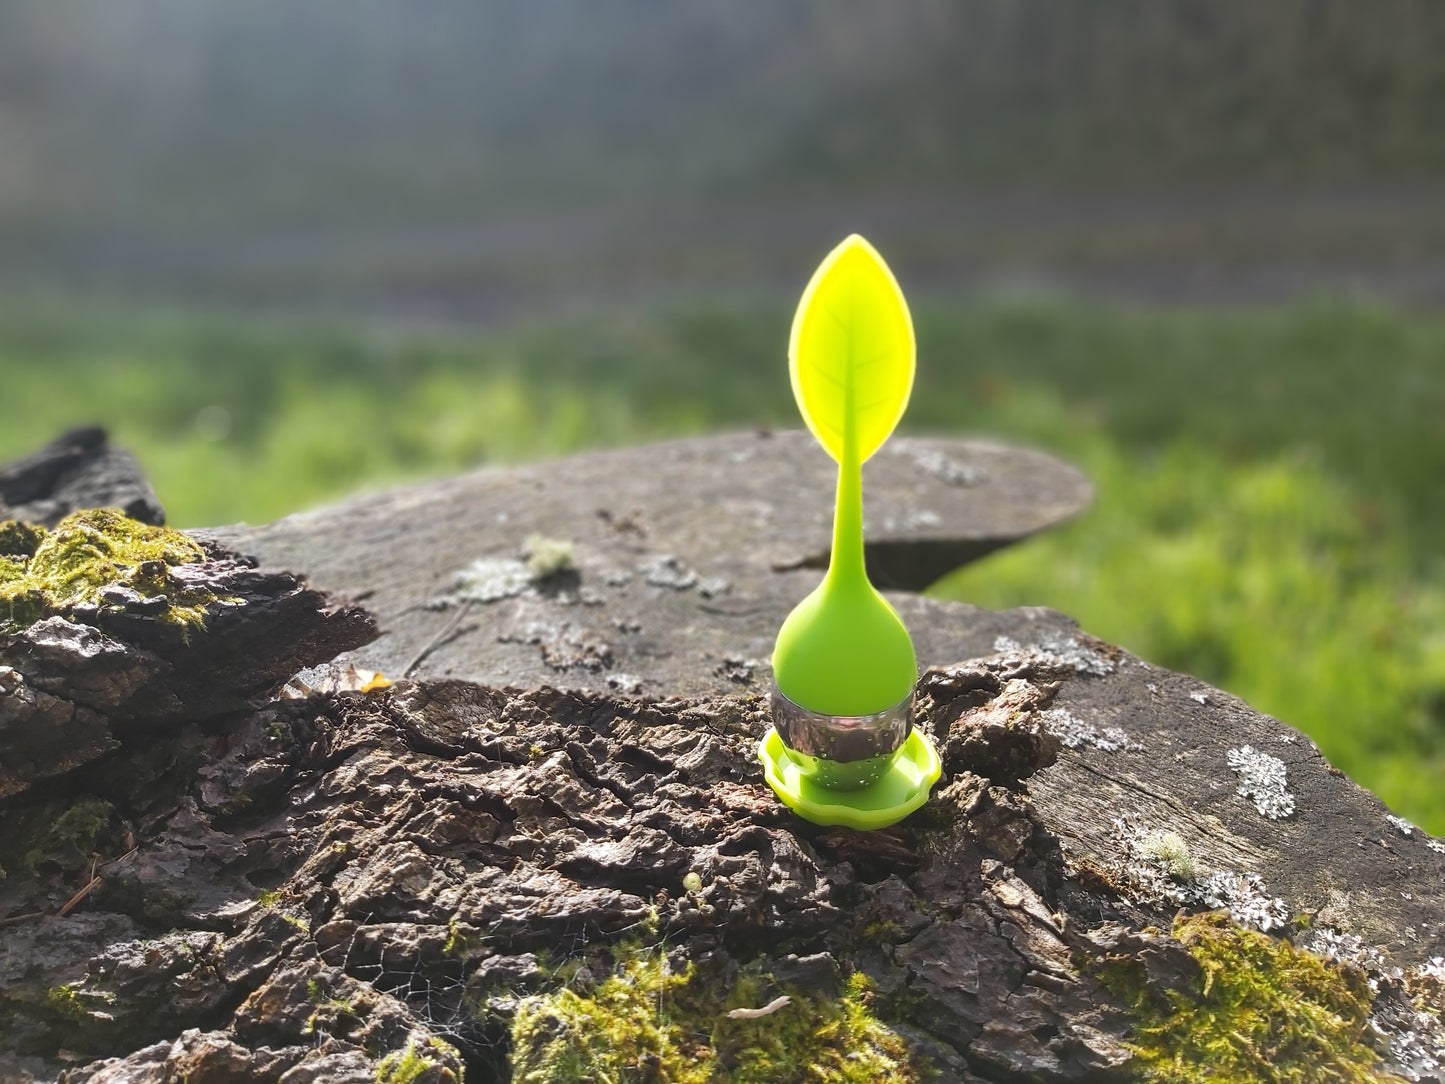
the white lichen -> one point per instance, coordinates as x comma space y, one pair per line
1404, 827
713, 587
1157, 864
1412, 1029
1436, 845
667, 570
1074, 732
1349, 948
1199, 697
915, 519
945, 468
919, 518
738, 668
1062, 649
1415, 1053
1246, 897
1262, 779
488, 579
1408, 1030
491, 579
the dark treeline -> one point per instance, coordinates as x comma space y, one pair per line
182, 112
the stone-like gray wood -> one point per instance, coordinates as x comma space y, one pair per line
686, 553
79, 469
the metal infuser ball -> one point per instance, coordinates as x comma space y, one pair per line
842, 752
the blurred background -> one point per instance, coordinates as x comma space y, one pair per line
288, 250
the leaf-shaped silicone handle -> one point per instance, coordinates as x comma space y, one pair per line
851, 352
844, 650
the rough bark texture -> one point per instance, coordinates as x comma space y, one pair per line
303, 889
71, 685
77, 470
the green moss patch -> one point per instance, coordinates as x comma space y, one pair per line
1263, 1011
43, 573
82, 1009
647, 1022
74, 835
19, 540
418, 1061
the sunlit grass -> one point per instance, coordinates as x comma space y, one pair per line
1270, 495
1260, 577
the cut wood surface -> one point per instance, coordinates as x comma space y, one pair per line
685, 554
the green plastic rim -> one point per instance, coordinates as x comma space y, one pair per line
902, 788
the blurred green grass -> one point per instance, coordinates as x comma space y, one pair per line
1270, 481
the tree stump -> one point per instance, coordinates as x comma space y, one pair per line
555, 831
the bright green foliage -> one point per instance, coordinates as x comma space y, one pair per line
629, 1024
1264, 1012
94, 549
830, 1042
647, 1023
844, 650
459, 942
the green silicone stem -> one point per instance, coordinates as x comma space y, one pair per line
846, 568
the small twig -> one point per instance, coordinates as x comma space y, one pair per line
21, 918
440, 638
74, 901
113, 861
767, 1010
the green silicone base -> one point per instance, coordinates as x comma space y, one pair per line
901, 789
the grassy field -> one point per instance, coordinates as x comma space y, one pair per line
1270, 496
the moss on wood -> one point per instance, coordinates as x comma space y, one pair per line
647, 1022
1263, 1011
44, 573
417, 1062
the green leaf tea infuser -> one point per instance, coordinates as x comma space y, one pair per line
842, 748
